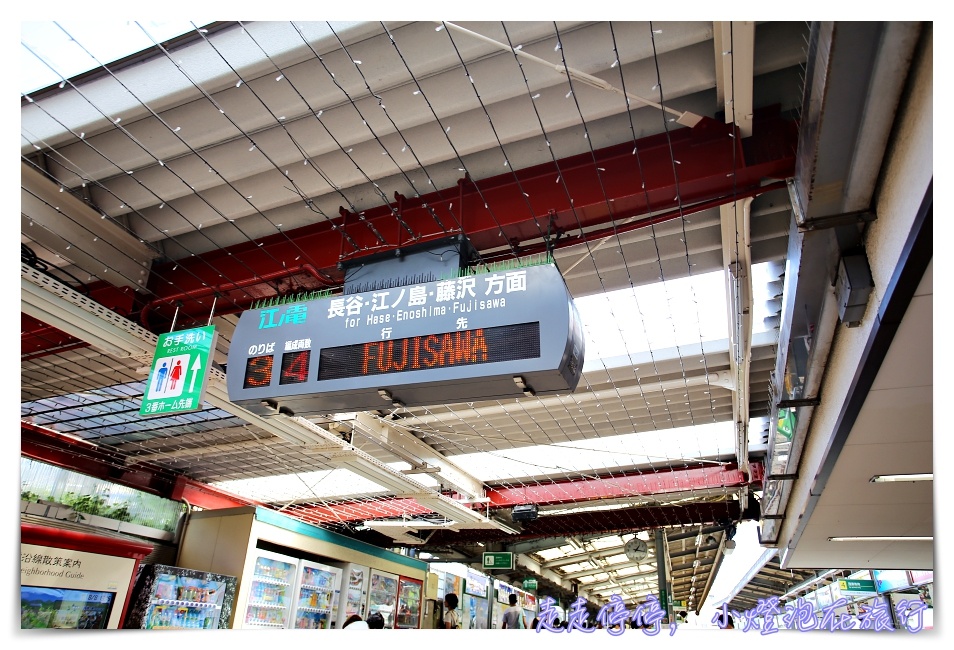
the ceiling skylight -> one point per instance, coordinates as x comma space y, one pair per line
51, 51
665, 315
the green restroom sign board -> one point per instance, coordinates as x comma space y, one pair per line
179, 370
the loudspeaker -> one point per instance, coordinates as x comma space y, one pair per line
526, 512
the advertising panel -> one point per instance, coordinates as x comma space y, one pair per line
890, 580
476, 584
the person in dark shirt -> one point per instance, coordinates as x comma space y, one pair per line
376, 621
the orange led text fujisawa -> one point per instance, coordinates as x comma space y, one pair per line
419, 352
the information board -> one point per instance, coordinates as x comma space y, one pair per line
180, 367
485, 336
499, 560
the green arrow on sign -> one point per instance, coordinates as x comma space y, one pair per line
179, 372
196, 367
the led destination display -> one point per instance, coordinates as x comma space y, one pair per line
461, 348
483, 336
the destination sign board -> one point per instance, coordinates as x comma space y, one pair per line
485, 336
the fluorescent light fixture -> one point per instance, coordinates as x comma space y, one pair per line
802, 586
882, 538
412, 524
422, 470
901, 478
503, 526
401, 485
384, 477
451, 509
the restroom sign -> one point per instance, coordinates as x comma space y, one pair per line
179, 371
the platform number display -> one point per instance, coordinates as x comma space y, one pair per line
258, 371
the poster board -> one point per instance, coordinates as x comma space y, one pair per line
74, 580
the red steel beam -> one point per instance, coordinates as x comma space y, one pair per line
562, 492
87, 458
631, 485
205, 496
603, 522
665, 174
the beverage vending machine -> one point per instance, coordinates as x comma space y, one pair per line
172, 598
318, 592
271, 591
355, 579
382, 595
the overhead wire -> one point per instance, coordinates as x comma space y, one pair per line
130, 173
525, 413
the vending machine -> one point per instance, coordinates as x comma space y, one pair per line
355, 580
271, 591
382, 595
318, 592
409, 595
172, 598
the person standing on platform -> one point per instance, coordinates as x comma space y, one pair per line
451, 615
513, 616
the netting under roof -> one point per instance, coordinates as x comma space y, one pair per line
255, 135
